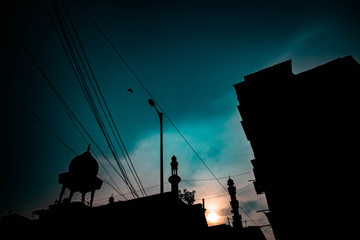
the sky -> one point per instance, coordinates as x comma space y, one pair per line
188, 54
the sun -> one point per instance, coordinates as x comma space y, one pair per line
213, 217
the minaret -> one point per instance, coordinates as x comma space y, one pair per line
234, 204
174, 179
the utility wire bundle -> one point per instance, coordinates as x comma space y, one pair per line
88, 82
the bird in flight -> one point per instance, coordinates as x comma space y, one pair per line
130, 90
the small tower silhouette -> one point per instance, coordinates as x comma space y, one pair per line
234, 204
111, 199
81, 177
174, 179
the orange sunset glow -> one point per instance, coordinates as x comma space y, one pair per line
212, 217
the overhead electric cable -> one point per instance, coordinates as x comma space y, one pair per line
79, 68
72, 117
42, 124
150, 95
56, 137
117, 189
212, 179
97, 114
148, 92
70, 113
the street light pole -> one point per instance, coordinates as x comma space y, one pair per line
152, 103
161, 154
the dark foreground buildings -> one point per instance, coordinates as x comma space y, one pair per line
303, 129
160, 216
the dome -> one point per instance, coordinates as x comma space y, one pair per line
84, 165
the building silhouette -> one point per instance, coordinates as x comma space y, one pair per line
82, 177
162, 215
151, 214
302, 129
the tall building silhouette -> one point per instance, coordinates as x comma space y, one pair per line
301, 128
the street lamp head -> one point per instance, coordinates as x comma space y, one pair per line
151, 102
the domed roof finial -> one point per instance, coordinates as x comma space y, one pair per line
88, 150
230, 182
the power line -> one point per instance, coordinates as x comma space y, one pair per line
147, 188
93, 104
212, 179
80, 67
208, 179
67, 109
146, 89
223, 195
53, 134
112, 123
42, 124
78, 62
148, 92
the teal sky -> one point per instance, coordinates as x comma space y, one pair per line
187, 53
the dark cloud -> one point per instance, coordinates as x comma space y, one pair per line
250, 206
224, 211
